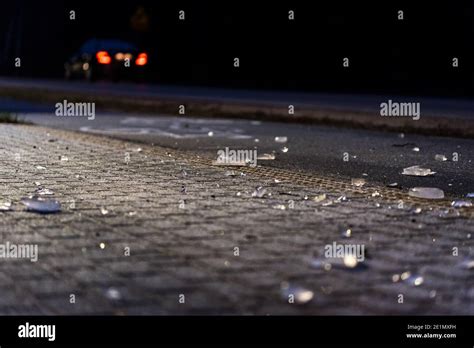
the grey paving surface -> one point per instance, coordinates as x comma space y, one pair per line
314, 149
190, 250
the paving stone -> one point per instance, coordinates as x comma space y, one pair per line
191, 250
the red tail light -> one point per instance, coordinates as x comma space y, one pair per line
103, 57
142, 59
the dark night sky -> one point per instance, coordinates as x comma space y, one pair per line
407, 57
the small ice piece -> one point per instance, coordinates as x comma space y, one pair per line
63, 158
393, 184
470, 195
103, 211
461, 204
417, 171
211, 134
358, 182
279, 207
266, 157
441, 158
41, 205
281, 139
426, 192
40, 167
416, 149
285, 149
5, 206
259, 192
296, 294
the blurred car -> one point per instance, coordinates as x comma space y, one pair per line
107, 59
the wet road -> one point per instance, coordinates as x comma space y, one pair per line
378, 157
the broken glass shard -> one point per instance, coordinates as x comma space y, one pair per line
449, 213
231, 173
266, 157
426, 192
44, 191
113, 294
296, 294
347, 233
41, 205
414, 280
417, 171
5, 206
259, 192
358, 182
349, 262
408, 278
227, 161
461, 204
467, 264
320, 198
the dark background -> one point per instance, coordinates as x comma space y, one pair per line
387, 56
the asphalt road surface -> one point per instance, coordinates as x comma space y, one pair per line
378, 157
458, 108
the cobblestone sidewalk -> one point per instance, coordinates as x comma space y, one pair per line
146, 230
